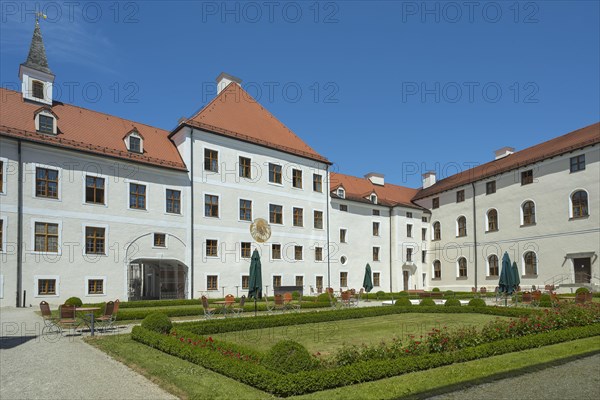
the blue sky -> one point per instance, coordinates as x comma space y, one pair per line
393, 87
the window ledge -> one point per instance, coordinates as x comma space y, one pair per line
461, 236
577, 218
534, 276
525, 226
462, 278
436, 279
492, 231
492, 277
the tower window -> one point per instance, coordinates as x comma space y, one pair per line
38, 90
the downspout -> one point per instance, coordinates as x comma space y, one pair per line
19, 225
475, 233
328, 243
391, 244
192, 213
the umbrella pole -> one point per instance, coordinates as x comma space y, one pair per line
255, 306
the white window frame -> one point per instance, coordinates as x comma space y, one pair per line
458, 268
299, 226
280, 251
106, 241
128, 182
34, 180
537, 263
571, 203
340, 234
36, 278
4, 219
106, 179
433, 269
487, 221
242, 278
378, 228
535, 206
322, 253
341, 192
181, 208
269, 174
46, 113
46, 221
457, 228
219, 197
205, 247
95, 277
4, 175
322, 219
206, 275
282, 214
239, 199
378, 253
347, 278
302, 178
207, 171
136, 134
303, 279
166, 246
302, 249
487, 264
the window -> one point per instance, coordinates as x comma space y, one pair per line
160, 240
274, 173
579, 204
319, 282
375, 253
212, 282
376, 212
461, 226
318, 220
95, 286
341, 193
211, 160
211, 248
46, 183
460, 196
297, 178
94, 240
343, 235
211, 206
275, 214
528, 213
298, 253
435, 203
373, 198
317, 183
245, 250
343, 279
409, 254
46, 287
423, 233
276, 251
376, 279
409, 215
137, 196
1, 176
578, 163
493, 265
423, 255
298, 216
437, 269
423, 219
245, 168
492, 220
343, 207
299, 280
46, 237
173, 201
46, 123
245, 282
530, 260
38, 89
276, 281
527, 177
318, 254
94, 190
1, 235
245, 210
462, 267
490, 187
437, 231
343, 260
409, 228
375, 228
135, 143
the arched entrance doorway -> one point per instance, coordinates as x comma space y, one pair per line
157, 279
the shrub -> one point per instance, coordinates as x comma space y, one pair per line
452, 303
157, 322
545, 300
296, 295
403, 294
289, 357
435, 289
74, 301
380, 294
448, 293
476, 303
403, 302
323, 298
582, 290
427, 302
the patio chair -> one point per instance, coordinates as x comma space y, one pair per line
536, 297
332, 300
290, 303
346, 296
270, 306
527, 299
239, 309
229, 303
106, 318
279, 303
67, 317
209, 312
50, 323
360, 295
114, 314
483, 290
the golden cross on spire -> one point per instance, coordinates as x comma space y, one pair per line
38, 15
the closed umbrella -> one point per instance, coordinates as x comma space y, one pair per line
255, 279
368, 281
505, 284
515, 276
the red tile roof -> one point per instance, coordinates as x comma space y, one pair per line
358, 189
234, 113
583, 137
86, 130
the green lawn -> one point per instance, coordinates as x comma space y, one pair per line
326, 337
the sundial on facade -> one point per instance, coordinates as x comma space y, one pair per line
260, 230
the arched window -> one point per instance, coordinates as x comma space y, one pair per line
462, 267
530, 260
493, 265
492, 220
528, 213
579, 204
437, 231
461, 226
437, 269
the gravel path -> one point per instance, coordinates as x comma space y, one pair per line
33, 366
579, 379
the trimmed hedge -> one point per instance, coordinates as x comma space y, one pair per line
477, 303
582, 290
452, 303
291, 356
74, 301
157, 322
427, 302
403, 302
303, 382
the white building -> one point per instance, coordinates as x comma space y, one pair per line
99, 207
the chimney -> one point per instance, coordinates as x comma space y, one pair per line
503, 152
375, 178
428, 179
225, 79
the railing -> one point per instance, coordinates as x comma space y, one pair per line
557, 279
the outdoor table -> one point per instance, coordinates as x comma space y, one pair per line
91, 315
223, 304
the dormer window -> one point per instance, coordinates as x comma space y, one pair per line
46, 124
45, 121
341, 193
373, 198
38, 90
134, 142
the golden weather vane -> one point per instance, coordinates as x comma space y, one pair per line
38, 15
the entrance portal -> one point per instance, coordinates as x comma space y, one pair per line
583, 269
157, 279
405, 278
